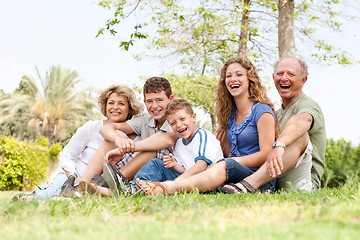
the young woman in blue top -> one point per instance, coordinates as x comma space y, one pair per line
247, 127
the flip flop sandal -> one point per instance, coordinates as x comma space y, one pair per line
228, 190
248, 187
149, 187
244, 187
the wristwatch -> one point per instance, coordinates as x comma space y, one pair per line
278, 144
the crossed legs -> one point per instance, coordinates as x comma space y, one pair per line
202, 182
290, 158
216, 175
96, 163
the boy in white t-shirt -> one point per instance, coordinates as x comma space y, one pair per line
194, 151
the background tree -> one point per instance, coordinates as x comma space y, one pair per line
194, 38
16, 111
342, 163
52, 108
183, 29
242, 52
286, 37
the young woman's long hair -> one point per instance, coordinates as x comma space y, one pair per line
225, 101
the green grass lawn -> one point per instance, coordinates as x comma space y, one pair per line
325, 214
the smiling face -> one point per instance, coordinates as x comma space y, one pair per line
183, 124
288, 79
156, 104
236, 80
117, 108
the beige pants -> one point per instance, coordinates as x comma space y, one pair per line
299, 177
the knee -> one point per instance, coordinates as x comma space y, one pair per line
156, 162
301, 143
219, 167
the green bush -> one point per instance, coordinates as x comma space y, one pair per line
43, 141
24, 164
342, 162
54, 150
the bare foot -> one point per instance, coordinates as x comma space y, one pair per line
151, 188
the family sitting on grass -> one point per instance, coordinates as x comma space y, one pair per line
163, 152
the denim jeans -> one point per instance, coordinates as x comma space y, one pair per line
236, 172
155, 171
51, 189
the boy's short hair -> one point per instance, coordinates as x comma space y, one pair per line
178, 104
157, 84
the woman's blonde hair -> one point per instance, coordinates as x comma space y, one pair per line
135, 107
225, 101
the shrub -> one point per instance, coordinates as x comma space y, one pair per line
24, 164
43, 141
54, 150
342, 161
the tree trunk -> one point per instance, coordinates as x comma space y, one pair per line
213, 122
286, 29
244, 29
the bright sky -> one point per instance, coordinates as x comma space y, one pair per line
52, 32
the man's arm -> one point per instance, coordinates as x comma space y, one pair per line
296, 127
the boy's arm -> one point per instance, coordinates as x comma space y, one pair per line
110, 132
198, 167
175, 165
178, 168
156, 142
117, 133
170, 162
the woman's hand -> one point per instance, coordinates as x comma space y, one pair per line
113, 156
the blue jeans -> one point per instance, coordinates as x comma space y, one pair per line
51, 189
155, 171
235, 172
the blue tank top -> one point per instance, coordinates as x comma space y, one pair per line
244, 138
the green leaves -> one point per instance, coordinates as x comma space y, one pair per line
198, 90
201, 35
341, 161
24, 164
49, 110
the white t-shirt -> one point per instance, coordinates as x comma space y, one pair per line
203, 145
77, 154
